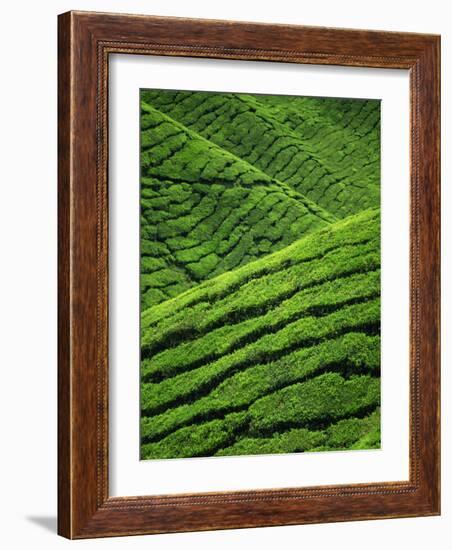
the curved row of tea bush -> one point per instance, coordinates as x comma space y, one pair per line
328, 304
354, 352
293, 139
349, 434
315, 405
264, 303
205, 211
260, 310
289, 341
333, 245
302, 333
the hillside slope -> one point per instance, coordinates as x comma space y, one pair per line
206, 211
279, 355
325, 148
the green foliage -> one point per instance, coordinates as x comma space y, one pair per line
297, 321
302, 282
301, 333
345, 434
323, 399
292, 139
312, 403
298, 314
260, 274
200, 440
353, 231
205, 210
353, 352
295, 440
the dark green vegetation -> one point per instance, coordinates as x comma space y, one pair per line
205, 211
260, 274
326, 149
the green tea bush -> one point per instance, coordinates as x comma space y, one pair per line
195, 191
260, 274
293, 139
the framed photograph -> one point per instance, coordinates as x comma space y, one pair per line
248, 275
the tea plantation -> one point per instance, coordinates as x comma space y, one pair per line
326, 149
205, 211
260, 274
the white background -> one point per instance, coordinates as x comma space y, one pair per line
28, 275
128, 475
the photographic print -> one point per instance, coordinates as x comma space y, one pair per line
223, 357
259, 274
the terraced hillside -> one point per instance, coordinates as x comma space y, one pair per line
279, 355
260, 274
327, 149
205, 211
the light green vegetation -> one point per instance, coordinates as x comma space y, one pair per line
328, 149
353, 433
314, 403
205, 211
260, 274
353, 352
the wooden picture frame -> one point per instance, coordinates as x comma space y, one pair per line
85, 42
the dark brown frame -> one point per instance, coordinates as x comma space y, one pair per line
84, 44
